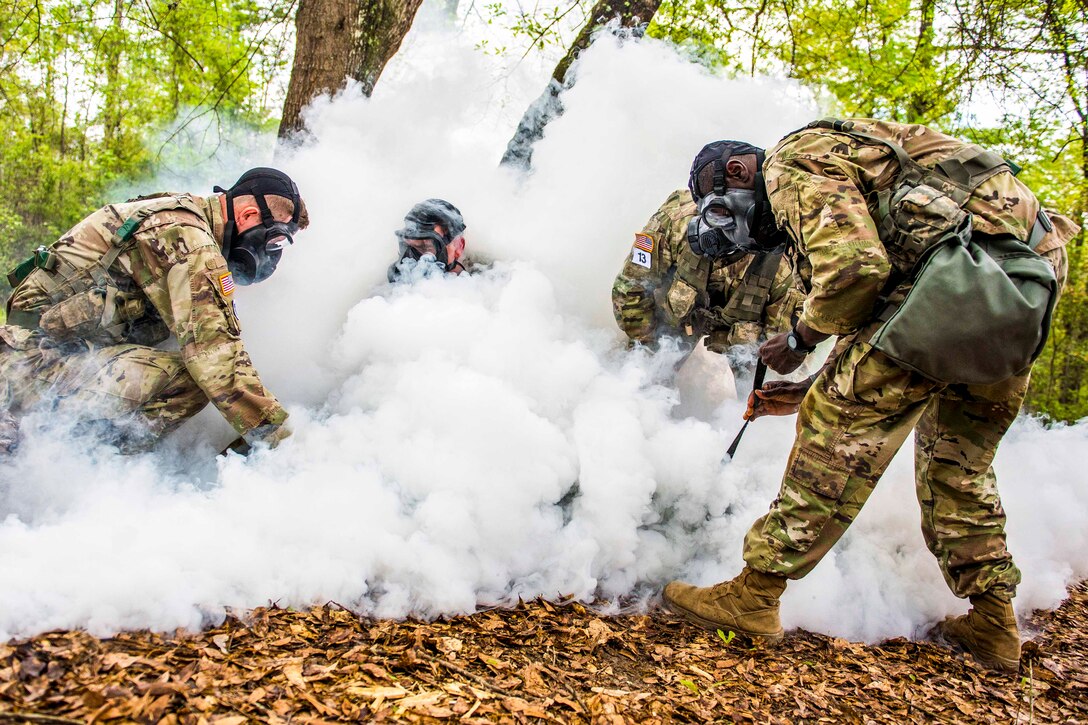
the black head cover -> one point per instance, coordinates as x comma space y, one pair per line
715, 155
259, 182
422, 217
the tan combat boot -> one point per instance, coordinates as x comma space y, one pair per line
988, 631
746, 605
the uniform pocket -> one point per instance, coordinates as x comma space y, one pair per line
866, 376
680, 299
78, 317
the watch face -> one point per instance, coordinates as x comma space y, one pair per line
791, 340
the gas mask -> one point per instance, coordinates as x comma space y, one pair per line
722, 228
255, 252
731, 222
252, 255
414, 264
419, 224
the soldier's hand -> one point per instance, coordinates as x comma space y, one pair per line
270, 435
777, 397
778, 356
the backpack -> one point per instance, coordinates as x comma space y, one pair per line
978, 308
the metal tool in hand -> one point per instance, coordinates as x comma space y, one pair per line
757, 384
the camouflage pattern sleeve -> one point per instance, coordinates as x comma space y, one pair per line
648, 268
181, 270
815, 192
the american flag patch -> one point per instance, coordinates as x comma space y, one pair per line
226, 284
644, 242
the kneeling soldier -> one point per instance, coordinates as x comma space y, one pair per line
86, 312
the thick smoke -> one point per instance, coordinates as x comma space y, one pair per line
468, 441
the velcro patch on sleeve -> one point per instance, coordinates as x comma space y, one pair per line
226, 284
645, 242
643, 249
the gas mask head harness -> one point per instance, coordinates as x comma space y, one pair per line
419, 225
252, 255
731, 222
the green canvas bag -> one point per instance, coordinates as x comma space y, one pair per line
979, 307
979, 311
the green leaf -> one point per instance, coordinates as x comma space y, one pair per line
690, 685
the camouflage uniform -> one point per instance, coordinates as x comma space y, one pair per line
862, 407
175, 280
677, 292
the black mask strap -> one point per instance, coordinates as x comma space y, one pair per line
719, 175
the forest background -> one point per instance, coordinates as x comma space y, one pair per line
92, 91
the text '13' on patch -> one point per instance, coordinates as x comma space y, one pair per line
644, 247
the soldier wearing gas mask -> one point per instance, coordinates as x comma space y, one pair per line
432, 241
870, 213
87, 312
681, 279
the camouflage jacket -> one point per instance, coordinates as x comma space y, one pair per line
176, 274
665, 288
822, 184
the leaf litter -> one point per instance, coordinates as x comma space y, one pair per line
539, 662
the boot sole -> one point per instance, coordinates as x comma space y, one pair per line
714, 626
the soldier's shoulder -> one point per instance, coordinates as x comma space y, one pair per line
172, 228
679, 205
806, 143
164, 210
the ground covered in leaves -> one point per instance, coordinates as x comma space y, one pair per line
540, 662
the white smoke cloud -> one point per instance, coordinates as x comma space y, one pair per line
467, 441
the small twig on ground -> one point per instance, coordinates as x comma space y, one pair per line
1031, 692
32, 717
483, 681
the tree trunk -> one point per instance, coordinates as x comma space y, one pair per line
112, 43
633, 16
341, 39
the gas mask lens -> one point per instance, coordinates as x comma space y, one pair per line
278, 243
718, 216
278, 237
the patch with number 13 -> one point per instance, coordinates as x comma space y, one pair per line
643, 249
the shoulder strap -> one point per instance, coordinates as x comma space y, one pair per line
63, 280
749, 300
695, 271
120, 239
966, 169
1041, 228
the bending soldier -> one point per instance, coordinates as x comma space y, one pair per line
665, 288
86, 312
432, 239
885, 223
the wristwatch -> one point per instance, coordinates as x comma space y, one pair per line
793, 341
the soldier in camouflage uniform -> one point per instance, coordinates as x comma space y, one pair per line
821, 184
665, 288
85, 313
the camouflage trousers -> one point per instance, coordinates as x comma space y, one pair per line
855, 417
134, 393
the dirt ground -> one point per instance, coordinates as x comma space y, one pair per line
539, 662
